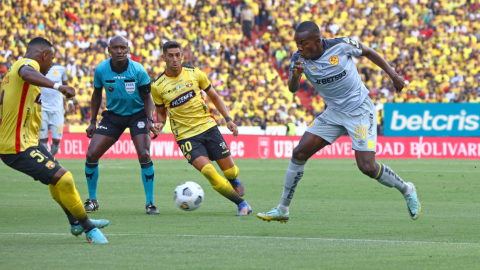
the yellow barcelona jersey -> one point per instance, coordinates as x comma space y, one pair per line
20, 110
182, 97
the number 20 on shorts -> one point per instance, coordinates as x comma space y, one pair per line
186, 147
360, 132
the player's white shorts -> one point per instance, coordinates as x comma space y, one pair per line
361, 125
52, 121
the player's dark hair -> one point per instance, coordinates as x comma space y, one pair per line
170, 44
39, 41
308, 26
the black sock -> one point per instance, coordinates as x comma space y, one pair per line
71, 219
87, 225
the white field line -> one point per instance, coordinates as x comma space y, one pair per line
264, 237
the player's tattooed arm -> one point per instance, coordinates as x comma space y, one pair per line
222, 109
296, 74
33, 77
148, 103
95, 103
377, 59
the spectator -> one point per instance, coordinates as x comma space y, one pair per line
246, 18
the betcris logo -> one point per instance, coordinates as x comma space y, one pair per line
438, 119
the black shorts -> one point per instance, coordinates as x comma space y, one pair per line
209, 143
35, 161
113, 125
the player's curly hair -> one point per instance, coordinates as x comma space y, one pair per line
170, 44
39, 41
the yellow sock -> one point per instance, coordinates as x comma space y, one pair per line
56, 196
69, 197
220, 184
232, 173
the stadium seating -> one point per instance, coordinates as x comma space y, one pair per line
432, 44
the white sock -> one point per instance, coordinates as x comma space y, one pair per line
389, 178
292, 177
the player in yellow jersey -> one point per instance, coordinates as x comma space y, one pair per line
20, 120
177, 92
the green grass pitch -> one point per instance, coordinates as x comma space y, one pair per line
339, 219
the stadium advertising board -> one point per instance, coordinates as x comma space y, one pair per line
252, 146
437, 119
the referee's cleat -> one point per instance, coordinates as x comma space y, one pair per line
95, 236
413, 204
91, 205
244, 209
238, 186
274, 214
151, 209
99, 223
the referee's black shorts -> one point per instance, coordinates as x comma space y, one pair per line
209, 143
113, 125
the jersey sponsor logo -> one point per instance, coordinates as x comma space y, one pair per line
311, 124
263, 147
38, 99
314, 68
50, 164
179, 87
55, 73
189, 83
5, 80
223, 145
182, 99
141, 124
353, 42
332, 79
110, 88
102, 127
130, 87
333, 60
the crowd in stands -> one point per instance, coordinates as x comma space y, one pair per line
245, 47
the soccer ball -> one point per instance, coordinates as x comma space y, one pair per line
188, 196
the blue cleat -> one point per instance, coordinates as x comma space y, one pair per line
413, 204
244, 209
95, 236
99, 223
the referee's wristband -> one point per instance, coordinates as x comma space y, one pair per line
228, 119
56, 86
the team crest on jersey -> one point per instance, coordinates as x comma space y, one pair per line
182, 99
334, 60
311, 124
50, 164
110, 88
55, 73
189, 83
188, 157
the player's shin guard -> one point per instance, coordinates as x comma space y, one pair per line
54, 148
292, 177
148, 177
71, 200
56, 197
91, 173
220, 184
389, 178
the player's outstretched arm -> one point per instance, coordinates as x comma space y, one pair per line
218, 102
295, 75
95, 103
378, 60
33, 77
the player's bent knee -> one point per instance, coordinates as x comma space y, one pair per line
144, 156
300, 154
232, 173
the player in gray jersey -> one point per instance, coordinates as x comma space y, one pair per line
328, 65
52, 109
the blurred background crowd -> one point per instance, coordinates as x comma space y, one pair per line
245, 47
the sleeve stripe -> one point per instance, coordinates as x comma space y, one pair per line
208, 88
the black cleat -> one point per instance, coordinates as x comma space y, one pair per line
151, 209
91, 205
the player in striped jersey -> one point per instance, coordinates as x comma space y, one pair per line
20, 120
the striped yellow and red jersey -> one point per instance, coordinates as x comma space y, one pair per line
20, 110
182, 97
